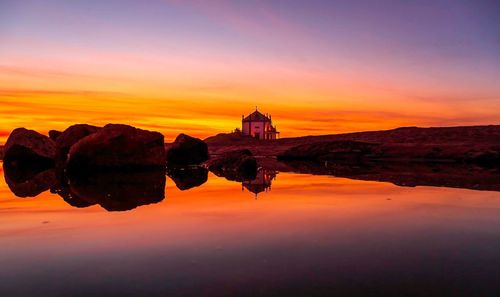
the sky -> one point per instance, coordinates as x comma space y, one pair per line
317, 66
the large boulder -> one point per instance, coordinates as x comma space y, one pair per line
117, 146
187, 150
235, 165
29, 147
70, 136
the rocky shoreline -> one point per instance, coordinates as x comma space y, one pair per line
116, 166
468, 144
121, 167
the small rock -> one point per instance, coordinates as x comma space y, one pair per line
187, 178
28, 146
187, 150
29, 182
54, 134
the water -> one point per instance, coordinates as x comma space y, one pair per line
306, 235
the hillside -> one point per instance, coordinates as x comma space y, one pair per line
461, 139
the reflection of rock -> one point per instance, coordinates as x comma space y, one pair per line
187, 150
28, 181
118, 191
114, 191
262, 182
487, 158
63, 190
117, 146
70, 136
407, 173
236, 165
189, 177
29, 147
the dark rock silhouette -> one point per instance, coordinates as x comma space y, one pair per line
70, 136
238, 165
487, 155
29, 147
467, 144
187, 150
188, 177
119, 190
333, 150
117, 146
28, 181
54, 134
110, 166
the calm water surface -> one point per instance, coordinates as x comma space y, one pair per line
305, 236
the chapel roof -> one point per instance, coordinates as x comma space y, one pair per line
256, 116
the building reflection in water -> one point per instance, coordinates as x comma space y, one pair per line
261, 183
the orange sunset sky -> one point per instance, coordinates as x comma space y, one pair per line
319, 67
